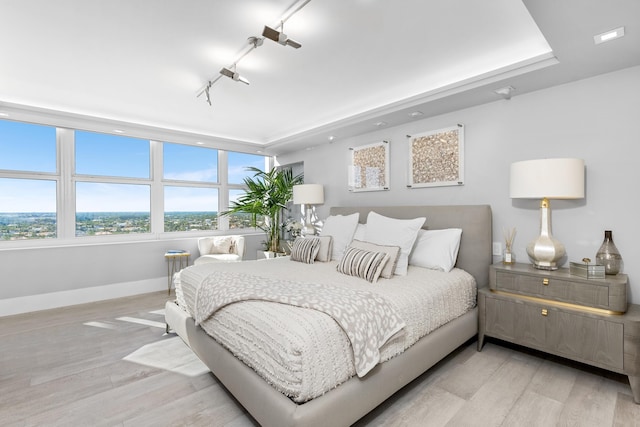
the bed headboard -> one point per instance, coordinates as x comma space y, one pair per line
475, 221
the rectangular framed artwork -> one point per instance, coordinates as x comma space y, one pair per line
369, 167
436, 158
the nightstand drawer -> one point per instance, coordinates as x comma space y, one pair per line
608, 294
590, 294
584, 337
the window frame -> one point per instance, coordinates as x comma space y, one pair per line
66, 180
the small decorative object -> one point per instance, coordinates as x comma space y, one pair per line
608, 255
294, 228
586, 270
509, 257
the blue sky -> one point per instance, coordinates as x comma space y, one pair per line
32, 148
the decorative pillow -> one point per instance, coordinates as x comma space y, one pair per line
392, 251
305, 250
341, 228
325, 247
363, 264
397, 232
221, 245
436, 249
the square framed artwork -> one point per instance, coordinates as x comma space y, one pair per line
436, 158
369, 167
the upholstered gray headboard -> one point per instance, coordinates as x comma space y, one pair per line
474, 220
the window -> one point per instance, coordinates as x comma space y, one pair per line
190, 208
111, 155
28, 209
105, 208
238, 164
188, 163
27, 147
28, 181
62, 183
240, 220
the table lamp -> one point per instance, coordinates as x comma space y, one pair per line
308, 195
547, 179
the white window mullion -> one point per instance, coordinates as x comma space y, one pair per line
223, 193
66, 184
157, 189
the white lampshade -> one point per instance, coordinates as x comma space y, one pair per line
308, 194
547, 178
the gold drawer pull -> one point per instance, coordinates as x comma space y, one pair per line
545, 281
544, 312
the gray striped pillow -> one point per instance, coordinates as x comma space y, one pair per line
305, 250
361, 263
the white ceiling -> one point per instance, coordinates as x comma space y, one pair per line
143, 62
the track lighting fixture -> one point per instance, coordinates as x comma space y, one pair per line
254, 43
280, 37
233, 75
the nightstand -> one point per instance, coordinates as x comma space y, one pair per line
587, 320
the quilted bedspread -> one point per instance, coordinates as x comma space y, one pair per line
304, 352
365, 317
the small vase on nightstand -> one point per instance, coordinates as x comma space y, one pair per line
608, 255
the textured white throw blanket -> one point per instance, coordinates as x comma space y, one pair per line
366, 318
304, 353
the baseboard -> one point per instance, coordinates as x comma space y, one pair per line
19, 305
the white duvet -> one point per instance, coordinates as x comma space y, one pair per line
304, 353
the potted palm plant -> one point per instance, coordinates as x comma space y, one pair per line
266, 196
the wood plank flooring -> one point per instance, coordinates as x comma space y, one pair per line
65, 367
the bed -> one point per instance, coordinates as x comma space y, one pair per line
358, 394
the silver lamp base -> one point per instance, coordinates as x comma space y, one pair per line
545, 251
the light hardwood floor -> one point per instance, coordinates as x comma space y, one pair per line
65, 367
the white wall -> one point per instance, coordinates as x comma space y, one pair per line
47, 277
595, 119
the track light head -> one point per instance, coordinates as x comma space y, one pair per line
233, 75
279, 37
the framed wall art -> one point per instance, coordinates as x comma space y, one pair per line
369, 167
436, 158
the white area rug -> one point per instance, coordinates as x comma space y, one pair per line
170, 354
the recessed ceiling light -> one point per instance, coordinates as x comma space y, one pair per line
118, 131
4, 114
416, 114
379, 124
609, 35
332, 138
199, 143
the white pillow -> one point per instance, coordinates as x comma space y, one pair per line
341, 228
221, 245
360, 231
436, 249
394, 232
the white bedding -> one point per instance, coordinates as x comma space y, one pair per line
304, 353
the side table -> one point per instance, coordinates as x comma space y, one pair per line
176, 261
587, 320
